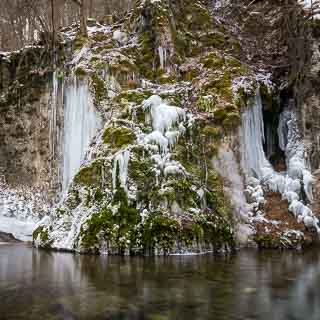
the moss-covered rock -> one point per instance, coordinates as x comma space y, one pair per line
89, 175
99, 87
118, 137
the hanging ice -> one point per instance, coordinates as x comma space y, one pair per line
163, 116
163, 57
259, 171
167, 125
81, 123
252, 136
120, 169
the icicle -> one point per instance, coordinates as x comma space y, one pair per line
81, 123
164, 117
53, 116
163, 57
120, 162
252, 137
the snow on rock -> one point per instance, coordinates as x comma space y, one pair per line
120, 36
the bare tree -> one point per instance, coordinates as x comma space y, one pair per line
83, 16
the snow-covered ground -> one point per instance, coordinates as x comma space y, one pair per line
21, 230
20, 211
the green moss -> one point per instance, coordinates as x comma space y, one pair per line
44, 236
212, 132
79, 41
118, 229
215, 40
118, 137
241, 99
98, 64
135, 96
160, 231
145, 58
216, 199
221, 85
98, 195
140, 170
270, 100
190, 74
182, 192
215, 230
99, 88
98, 222
90, 175
267, 241
206, 103
196, 16
80, 72
36, 232
213, 61
100, 37
232, 120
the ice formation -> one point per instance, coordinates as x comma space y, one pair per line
167, 124
53, 115
228, 167
81, 124
163, 116
260, 173
120, 169
163, 57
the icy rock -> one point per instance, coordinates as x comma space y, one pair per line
120, 36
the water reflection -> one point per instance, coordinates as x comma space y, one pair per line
269, 285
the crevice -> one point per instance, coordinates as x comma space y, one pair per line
271, 146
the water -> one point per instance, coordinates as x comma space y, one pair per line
250, 285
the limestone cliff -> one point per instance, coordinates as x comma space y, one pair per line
208, 131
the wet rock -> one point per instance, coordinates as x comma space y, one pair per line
8, 238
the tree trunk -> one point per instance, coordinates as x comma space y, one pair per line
83, 19
53, 25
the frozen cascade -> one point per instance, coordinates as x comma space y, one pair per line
53, 114
163, 116
228, 167
81, 124
163, 57
121, 161
260, 172
253, 159
167, 124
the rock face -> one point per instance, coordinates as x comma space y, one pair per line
209, 131
25, 112
7, 238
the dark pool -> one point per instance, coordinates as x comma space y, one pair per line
249, 285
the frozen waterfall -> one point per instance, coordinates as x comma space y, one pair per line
253, 158
81, 123
258, 170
